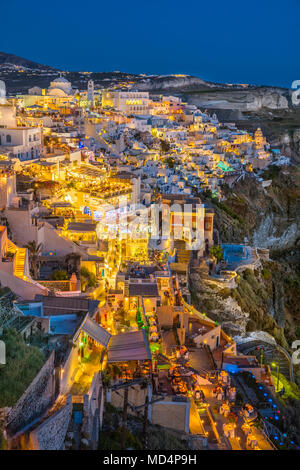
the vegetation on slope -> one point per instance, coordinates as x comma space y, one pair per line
22, 364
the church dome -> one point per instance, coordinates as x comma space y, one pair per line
60, 85
61, 80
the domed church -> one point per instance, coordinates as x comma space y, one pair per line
60, 87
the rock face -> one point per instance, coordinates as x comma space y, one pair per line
270, 235
269, 217
252, 99
267, 298
219, 96
206, 299
289, 143
173, 83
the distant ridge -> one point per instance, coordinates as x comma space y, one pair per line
11, 59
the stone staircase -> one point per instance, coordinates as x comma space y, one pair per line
182, 254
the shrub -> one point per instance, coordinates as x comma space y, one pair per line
59, 275
217, 252
225, 293
265, 273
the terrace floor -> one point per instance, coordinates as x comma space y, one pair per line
85, 374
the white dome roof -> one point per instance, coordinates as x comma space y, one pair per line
61, 80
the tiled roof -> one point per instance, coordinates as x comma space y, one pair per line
95, 331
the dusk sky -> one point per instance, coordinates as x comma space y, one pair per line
234, 41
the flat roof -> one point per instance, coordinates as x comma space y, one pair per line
81, 227
143, 289
64, 305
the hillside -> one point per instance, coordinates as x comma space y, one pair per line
7, 59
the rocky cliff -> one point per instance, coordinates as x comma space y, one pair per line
268, 297
250, 99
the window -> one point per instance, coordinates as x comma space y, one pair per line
8, 138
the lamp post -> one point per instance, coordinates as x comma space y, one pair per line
261, 356
274, 364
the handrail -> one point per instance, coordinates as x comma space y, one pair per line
213, 426
287, 355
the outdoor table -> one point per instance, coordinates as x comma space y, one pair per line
225, 430
154, 338
232, 393
246, 429
252, 441
229, 429
249, 408
225, 409
224, 377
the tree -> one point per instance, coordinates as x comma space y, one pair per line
73, 262
217, 252
165, 146
59, 275
88, 279
34, 251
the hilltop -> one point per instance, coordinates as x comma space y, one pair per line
14, 61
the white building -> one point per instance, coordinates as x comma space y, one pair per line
129, 102
24, 143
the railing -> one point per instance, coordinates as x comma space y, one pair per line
286, 354
213, 426
19, 262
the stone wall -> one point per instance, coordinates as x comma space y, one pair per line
93, 411
35, 400
56, 285
69, 369
50, 435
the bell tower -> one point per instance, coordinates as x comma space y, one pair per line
90, 93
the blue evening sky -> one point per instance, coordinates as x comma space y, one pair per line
223, 41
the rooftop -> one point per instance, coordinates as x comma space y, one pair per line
143, 289
131, 346
65, 305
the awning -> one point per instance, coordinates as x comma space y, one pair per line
130, 346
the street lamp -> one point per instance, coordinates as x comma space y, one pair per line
274, 364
